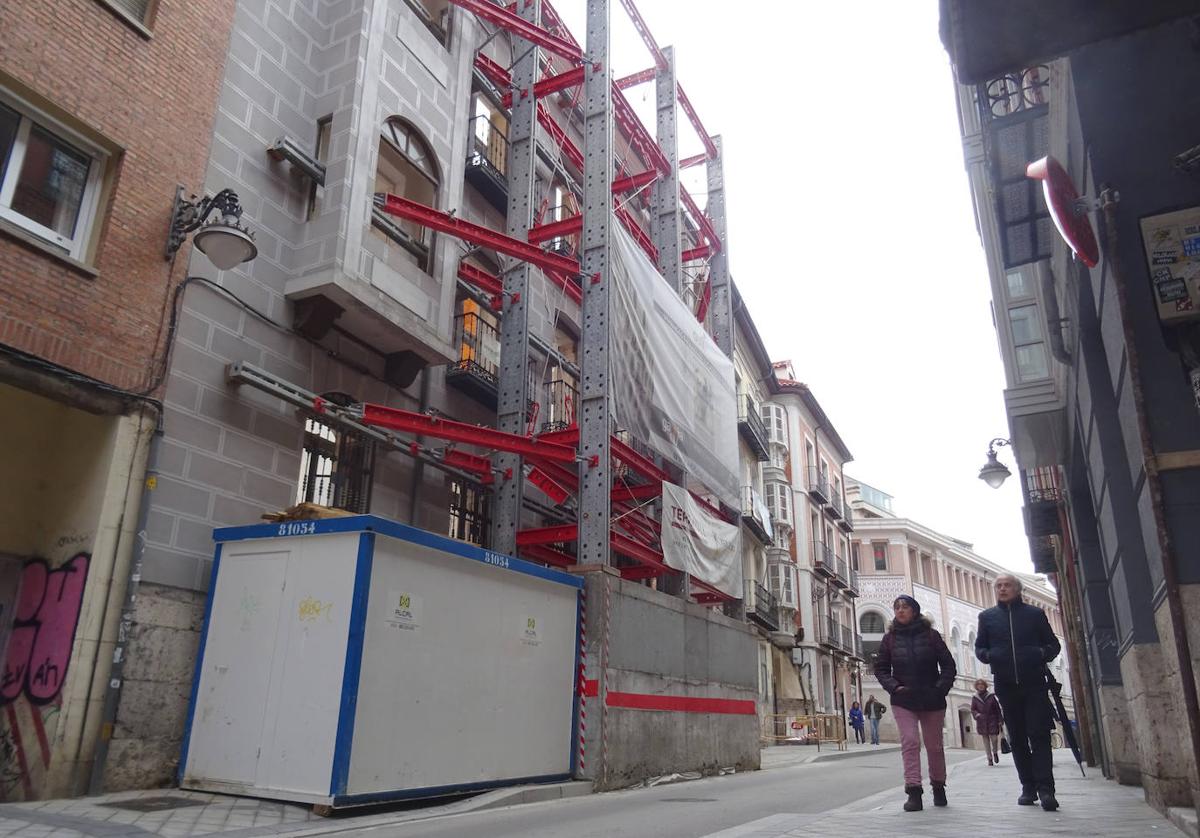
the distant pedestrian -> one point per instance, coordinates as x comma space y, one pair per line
916, 668
856, 722
874, 711
985, 707
1016, 640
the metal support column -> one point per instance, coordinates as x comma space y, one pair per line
595, 474
664, 222
722, 290
514, 393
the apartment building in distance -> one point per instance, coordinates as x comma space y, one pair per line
894, 555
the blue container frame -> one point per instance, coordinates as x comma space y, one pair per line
369, 526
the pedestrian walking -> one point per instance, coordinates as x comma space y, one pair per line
874, 710
985, 707
856, 722
917, 670
1016, 640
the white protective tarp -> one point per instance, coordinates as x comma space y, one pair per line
700, 544
671, 387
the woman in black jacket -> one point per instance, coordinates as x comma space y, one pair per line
917, 670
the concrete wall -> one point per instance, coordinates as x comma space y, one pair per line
696, 652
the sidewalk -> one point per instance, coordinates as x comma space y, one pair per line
982, 801
779, 756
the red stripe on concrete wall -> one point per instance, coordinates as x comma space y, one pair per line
672, 703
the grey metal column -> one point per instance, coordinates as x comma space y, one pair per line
514, 325
722, 290
595, 428
664, 222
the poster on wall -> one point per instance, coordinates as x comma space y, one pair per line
700, 544
671, 387
1172, 245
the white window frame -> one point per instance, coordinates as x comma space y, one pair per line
783, 583
89, 202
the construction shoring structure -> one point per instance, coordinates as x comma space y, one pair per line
591, 448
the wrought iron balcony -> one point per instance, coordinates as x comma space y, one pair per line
477, 370
558, 408
847, 640
752, 429
823, 561
835, 504
818, 486
852, 587
827, 629
856, 651
1043, 549
487, 162
761, 606
841, 575
846, 524
1042, 508
756, 517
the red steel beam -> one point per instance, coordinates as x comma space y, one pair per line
636, 493
564, 142
551, 84
566, 477
634, 79
692, 116
711, 594
567, 436
548, 555
548, 535
557, 267
544, 232
640, 553
494, 73
488, 282
694, 253
505, 19
639, 138
554, 21
628, 184
379, 416
637, 461
710, 235
471, 463
695, 160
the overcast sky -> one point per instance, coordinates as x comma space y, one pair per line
851, 234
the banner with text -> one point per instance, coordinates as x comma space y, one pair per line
671, 387
700, 544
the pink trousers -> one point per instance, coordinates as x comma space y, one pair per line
931, 723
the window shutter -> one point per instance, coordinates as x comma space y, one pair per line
136, 9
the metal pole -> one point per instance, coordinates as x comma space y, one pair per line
595, 477
513, 402
722, 290
664, 222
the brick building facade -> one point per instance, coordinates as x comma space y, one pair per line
105, 107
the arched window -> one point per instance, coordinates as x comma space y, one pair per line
408, 168
974, 661
956, 649
871, 622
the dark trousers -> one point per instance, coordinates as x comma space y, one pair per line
1029, 719
858, 734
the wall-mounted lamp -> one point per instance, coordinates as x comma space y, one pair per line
994, 472
224, 240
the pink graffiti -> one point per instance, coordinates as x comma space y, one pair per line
47, 612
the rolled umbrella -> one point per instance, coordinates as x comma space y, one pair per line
1067, 728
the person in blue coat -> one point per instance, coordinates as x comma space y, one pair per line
1016, 641
857, 722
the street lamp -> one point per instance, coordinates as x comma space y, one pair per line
994, 472
224, 240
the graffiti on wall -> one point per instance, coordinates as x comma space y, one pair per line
43, 630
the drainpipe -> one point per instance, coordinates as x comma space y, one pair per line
1108, 199
1054, 319
112, 694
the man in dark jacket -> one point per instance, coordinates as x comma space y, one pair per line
1016, 640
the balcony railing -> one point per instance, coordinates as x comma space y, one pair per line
558, 409
478, 364
823, 561
827, 633
818, 485
835, 504
761, 606
756, 517
752, 429
846, 524
487, 161
847, 640
841, 574
852, 588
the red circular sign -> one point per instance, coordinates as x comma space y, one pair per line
1061, 197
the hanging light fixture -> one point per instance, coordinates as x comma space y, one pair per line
224, 239
994, 472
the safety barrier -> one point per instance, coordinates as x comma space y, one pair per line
805, 729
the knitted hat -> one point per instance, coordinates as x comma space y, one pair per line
912, 603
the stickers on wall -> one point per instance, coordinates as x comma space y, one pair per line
531, 634
404, 610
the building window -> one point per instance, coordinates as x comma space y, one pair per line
49, 185
137, 11
406, 168
775, 418
783, 583
478, 332
1027, 341
879, 552
490, 129
335, 468
854, 556
469, 513
316, 192
779, 502
435, 14
871, 622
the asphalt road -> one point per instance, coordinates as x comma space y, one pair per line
678, 810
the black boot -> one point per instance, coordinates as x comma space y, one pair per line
1049, 801
1028, 797
939, 794
913, 804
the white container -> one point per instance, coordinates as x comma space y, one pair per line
356, 660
